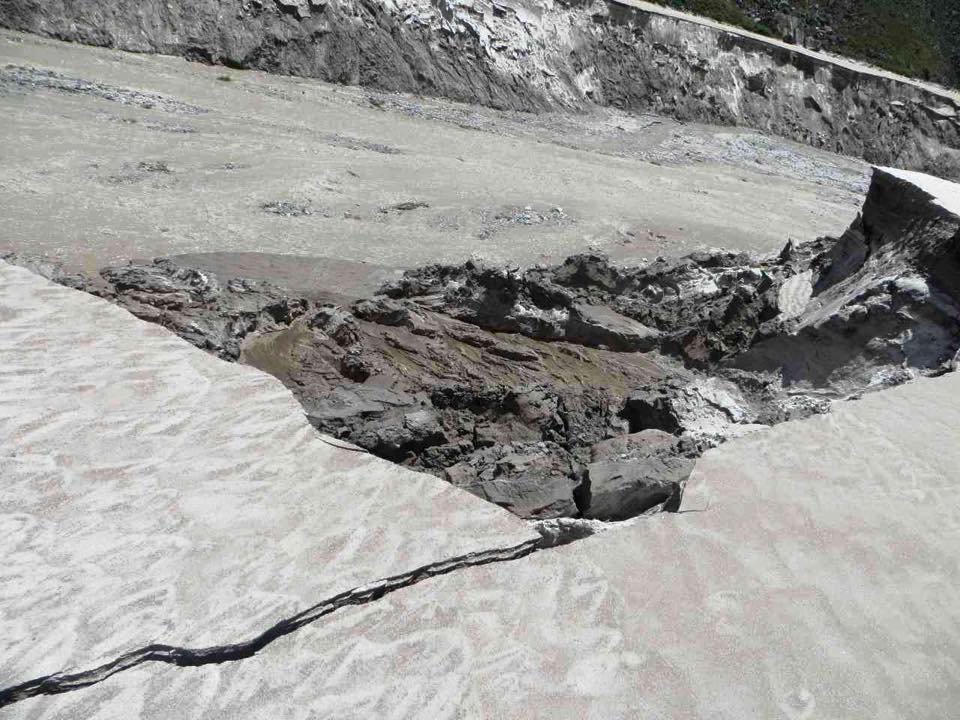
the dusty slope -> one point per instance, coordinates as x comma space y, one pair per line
94, 176
541, 54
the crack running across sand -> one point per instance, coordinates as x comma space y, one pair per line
873, 308
193, 657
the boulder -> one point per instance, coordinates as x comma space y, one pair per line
624, 489
632, 474
599, 325
536, 480
704, 408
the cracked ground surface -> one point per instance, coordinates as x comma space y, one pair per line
183, 543
143, 504
803, 559
156, 495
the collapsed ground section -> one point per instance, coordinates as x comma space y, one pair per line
811, 571
585, 390
156, 494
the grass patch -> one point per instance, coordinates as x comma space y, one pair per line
898, 35
725, 11
916, 38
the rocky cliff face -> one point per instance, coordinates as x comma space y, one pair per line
535, 55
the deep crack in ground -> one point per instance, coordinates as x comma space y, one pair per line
193, 657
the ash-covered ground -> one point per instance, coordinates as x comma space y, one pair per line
111, 156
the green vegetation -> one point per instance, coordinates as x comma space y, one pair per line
725, 11
918, 38
898, 35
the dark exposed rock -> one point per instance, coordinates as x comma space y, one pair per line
536, 480
290, 208
527, 388
213, 316
885, 299
529, 303
391, 313
634, 473
707, 305
600, 326
337, 324
404, 206
702, 407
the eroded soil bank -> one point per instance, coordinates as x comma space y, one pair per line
536, 55
585, 390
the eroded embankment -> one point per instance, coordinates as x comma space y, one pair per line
537, 55
586, 390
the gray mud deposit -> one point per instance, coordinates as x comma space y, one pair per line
538, 55
585, 390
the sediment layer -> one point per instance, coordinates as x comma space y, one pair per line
538, 55
586, 390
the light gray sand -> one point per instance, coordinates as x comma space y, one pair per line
153, 493
94, 177
811, 572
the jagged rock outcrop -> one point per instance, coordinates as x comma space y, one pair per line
197, 307
631, 474
531, 304
885, 299
537, 55
879, 302
584, 390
